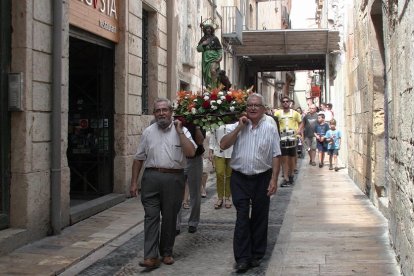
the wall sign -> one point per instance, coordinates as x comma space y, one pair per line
96, 16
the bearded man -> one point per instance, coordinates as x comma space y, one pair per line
163, 146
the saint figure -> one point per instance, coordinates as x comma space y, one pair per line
212, 51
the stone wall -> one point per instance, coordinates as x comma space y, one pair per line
365, 102
378, 114
31, 133
399, 37
129, 118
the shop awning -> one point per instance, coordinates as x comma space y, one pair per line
288, 49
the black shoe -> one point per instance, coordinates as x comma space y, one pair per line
320, 165
177, 232
255, 263
242, 267
192, 229
285, 183
291, 179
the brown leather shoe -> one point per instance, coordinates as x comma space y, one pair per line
150, 263
168, 260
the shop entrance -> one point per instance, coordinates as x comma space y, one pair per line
90, 130
5, 12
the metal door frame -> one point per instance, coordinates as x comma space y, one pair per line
105, 109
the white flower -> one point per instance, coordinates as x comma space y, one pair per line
212, 102
229, 92
219, 101
233, 102
221, 93
206, 97
223, 98
231, 108
214, 107
193, 110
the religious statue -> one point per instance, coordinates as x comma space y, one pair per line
212, 53
224, 80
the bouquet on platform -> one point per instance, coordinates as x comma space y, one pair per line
211, 108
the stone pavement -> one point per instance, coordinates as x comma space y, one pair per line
330, 228
52, 255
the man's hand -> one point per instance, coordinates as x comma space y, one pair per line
272, 187
133, 189
243, 121
178, 126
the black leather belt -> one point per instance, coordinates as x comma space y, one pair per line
162, 170
253, 175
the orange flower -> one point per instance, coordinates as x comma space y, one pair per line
190, 106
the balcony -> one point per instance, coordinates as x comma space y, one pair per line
232, 25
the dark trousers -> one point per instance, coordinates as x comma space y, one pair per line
160, 193
250, 232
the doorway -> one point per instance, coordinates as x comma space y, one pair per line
90, 150
5, 126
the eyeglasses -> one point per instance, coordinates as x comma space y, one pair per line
163, 110
285, 101
251, 106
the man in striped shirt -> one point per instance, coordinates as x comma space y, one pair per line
255, 168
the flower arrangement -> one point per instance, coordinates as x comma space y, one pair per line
210, 109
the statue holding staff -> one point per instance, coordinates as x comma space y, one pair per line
212, 53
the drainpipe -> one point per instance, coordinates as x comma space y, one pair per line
55, 185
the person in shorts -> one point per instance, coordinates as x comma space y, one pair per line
333, 138
320, 130
307, 130
289, 121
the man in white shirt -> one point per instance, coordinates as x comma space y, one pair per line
162, 151
255, 168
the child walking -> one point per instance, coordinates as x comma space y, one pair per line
320, 130
333, 137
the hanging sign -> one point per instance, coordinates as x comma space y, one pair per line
96, 16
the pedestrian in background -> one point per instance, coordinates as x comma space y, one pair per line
161, 151
221, 161
193, 174
320, 130
307, 129
255, 168
289, 121
333, 137
329, 114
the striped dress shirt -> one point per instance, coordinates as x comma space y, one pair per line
255, 148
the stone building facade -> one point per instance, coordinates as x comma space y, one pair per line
379, 121
86, 73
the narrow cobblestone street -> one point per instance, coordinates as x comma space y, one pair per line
323, 225
209, 251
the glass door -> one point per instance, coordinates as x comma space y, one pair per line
90, 130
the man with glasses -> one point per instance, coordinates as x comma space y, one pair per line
162, 151
289, 121
255, 168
